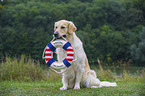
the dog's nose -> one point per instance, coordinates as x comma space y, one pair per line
55, 34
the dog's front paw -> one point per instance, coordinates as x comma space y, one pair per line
63, 88
77, 87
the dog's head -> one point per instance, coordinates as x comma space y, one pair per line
63, 28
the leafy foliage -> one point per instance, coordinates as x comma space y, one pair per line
137, 51
108, 28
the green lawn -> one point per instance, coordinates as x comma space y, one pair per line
40, 88
16, 79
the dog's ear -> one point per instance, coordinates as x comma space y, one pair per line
71, 28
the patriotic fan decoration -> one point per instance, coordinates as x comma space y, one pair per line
51, 47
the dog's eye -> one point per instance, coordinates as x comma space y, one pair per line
56, 27
62, 27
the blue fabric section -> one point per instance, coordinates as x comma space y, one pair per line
66, 63
52, 48
50, 62
66, 46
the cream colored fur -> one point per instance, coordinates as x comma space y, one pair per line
79, 74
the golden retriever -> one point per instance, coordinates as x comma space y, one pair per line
79, 73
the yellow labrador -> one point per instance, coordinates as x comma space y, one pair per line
79, 74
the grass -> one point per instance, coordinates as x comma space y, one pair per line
25, 69
26, 77
41, 88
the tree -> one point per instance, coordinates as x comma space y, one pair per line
137, 51
107, 28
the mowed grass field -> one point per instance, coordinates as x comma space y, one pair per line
25, 77
43, 88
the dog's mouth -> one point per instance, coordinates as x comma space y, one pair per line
57, 36
61, 37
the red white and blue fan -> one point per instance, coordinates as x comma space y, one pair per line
51, 62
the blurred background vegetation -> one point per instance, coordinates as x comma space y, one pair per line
111, 30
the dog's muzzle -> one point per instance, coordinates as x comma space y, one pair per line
57, 36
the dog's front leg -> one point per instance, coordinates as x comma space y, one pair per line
65, 83
78, 80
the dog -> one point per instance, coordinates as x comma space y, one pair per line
78, 75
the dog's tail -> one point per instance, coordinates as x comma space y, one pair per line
91, 81
107, 84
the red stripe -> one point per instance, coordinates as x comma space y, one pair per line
70, 54
48, 49
69, 49
47, 54
69, 59
47, 59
